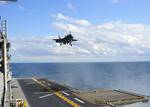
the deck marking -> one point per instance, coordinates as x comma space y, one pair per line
58, 94
65, 93
43, 85
41, 92
46, 95
79, 100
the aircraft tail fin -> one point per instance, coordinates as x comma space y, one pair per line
59, 37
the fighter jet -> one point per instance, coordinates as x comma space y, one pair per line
68, 39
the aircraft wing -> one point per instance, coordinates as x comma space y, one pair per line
55, 39
74, 40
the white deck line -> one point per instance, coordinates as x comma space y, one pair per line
65, 93
46, 95
79, 100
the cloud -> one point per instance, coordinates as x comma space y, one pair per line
82, 22
67, 27
111, 38
71, 7
61, 16
21, 8
111, 41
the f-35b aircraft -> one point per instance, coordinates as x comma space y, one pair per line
68, 39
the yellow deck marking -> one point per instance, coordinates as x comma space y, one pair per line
58, 94
43, 85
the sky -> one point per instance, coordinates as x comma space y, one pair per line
107, 30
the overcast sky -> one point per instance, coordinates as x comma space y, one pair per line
107, 30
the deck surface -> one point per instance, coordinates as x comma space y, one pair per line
41, 93
45, 93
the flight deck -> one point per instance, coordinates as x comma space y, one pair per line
39, 92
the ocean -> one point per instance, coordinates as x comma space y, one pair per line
130, 76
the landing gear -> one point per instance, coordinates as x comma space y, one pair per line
70, 44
